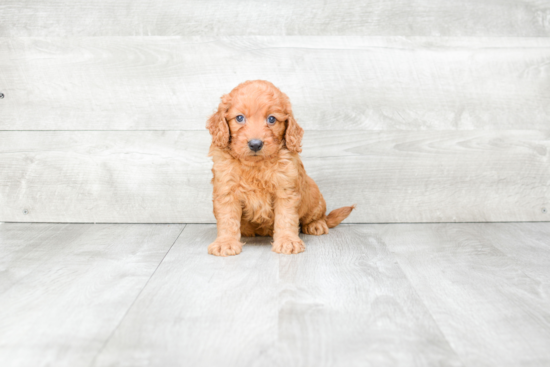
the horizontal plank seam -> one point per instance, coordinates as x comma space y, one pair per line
309, 129
342, 224
197, 39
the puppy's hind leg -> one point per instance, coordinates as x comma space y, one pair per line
321, 226
317, 227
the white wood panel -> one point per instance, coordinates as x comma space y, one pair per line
334, 83
284, 17
131, 177
202, 310
392, 176
65, 288
492, 312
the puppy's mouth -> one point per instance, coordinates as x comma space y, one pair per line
255, 155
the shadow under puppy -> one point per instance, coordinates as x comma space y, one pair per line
260, 184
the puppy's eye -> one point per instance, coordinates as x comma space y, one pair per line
271, 120
240, 119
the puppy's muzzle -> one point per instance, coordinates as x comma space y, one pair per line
255, 145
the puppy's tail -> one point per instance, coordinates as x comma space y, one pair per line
338, 215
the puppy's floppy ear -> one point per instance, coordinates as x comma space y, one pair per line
217, 125
294, 133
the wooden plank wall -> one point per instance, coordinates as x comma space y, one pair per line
422, 111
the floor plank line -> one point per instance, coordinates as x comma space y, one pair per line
135, 299
493, 309
9, 262
72, 288
421, 299
202, 310
346, 301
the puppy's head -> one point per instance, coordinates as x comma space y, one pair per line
255, 121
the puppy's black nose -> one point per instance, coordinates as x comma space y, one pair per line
255, 144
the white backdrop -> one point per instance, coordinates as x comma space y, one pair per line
426, 112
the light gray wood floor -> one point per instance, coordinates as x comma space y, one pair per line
461, 294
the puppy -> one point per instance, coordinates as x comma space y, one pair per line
260, 184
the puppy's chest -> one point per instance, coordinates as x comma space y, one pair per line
257, 196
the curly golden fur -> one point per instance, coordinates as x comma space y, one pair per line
263, 192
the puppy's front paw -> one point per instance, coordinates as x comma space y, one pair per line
225, 247
289, 245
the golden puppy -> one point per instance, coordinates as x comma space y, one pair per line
260, 184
